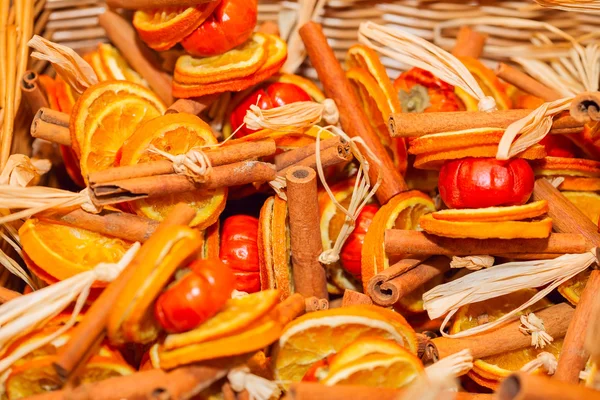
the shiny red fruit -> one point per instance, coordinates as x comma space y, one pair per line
351, 252
485, 182
271, 96
230, 25
195, 297
239, 250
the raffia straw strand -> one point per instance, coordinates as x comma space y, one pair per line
35, 199
9, 100
21, 170
534, 326
25, 313
456, 365
531, 129
544, 360
293, 116
258, 387
417, 52
499, 280
473, 263
67, 63
361, 194
194, 164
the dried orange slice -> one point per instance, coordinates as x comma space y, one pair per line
579, 184
571, 289
551, 166
175, 134
274, 249
51, 247
453, 140
331, 222
401, 212
99, 68
163, 28
254, 337
434, 160
319, 334
376, 106
489, 83
276, 56
587, 202
378, 370
116, 66
64, 95
361, 56
236, 315
39, 376
104, 117
237, 63
49, 86
364, 347
490, 370
495, 214
487, 230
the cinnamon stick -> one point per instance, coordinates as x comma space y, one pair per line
7, 295
402, 278
566, 217
303, 206
420, 124
317, 391
292, 157
193, 105
92, 328
506, 337
399, 242
32, 92
52, 126
117, 224
236, 174
352, 298
138, 55
525, 386
291, 308
586, 107
312, 304
526, 83
330, 156
469, 43
227, 154
142, 4
352, 116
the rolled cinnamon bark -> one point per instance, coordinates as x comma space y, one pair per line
194, 105
317, 391
143, 4
352, 117
112, 223
399, 242
506, 337
292, 157
352, 298
92, 329
469, 43
138, 55
566, 217
330, 156
526, 83
227, 154
586, 107
420, 124
303, 206
32, 92
52, 126
525, 386
312, 304
392, 284
236, 174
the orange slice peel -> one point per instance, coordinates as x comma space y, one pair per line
494, 214
487, 230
